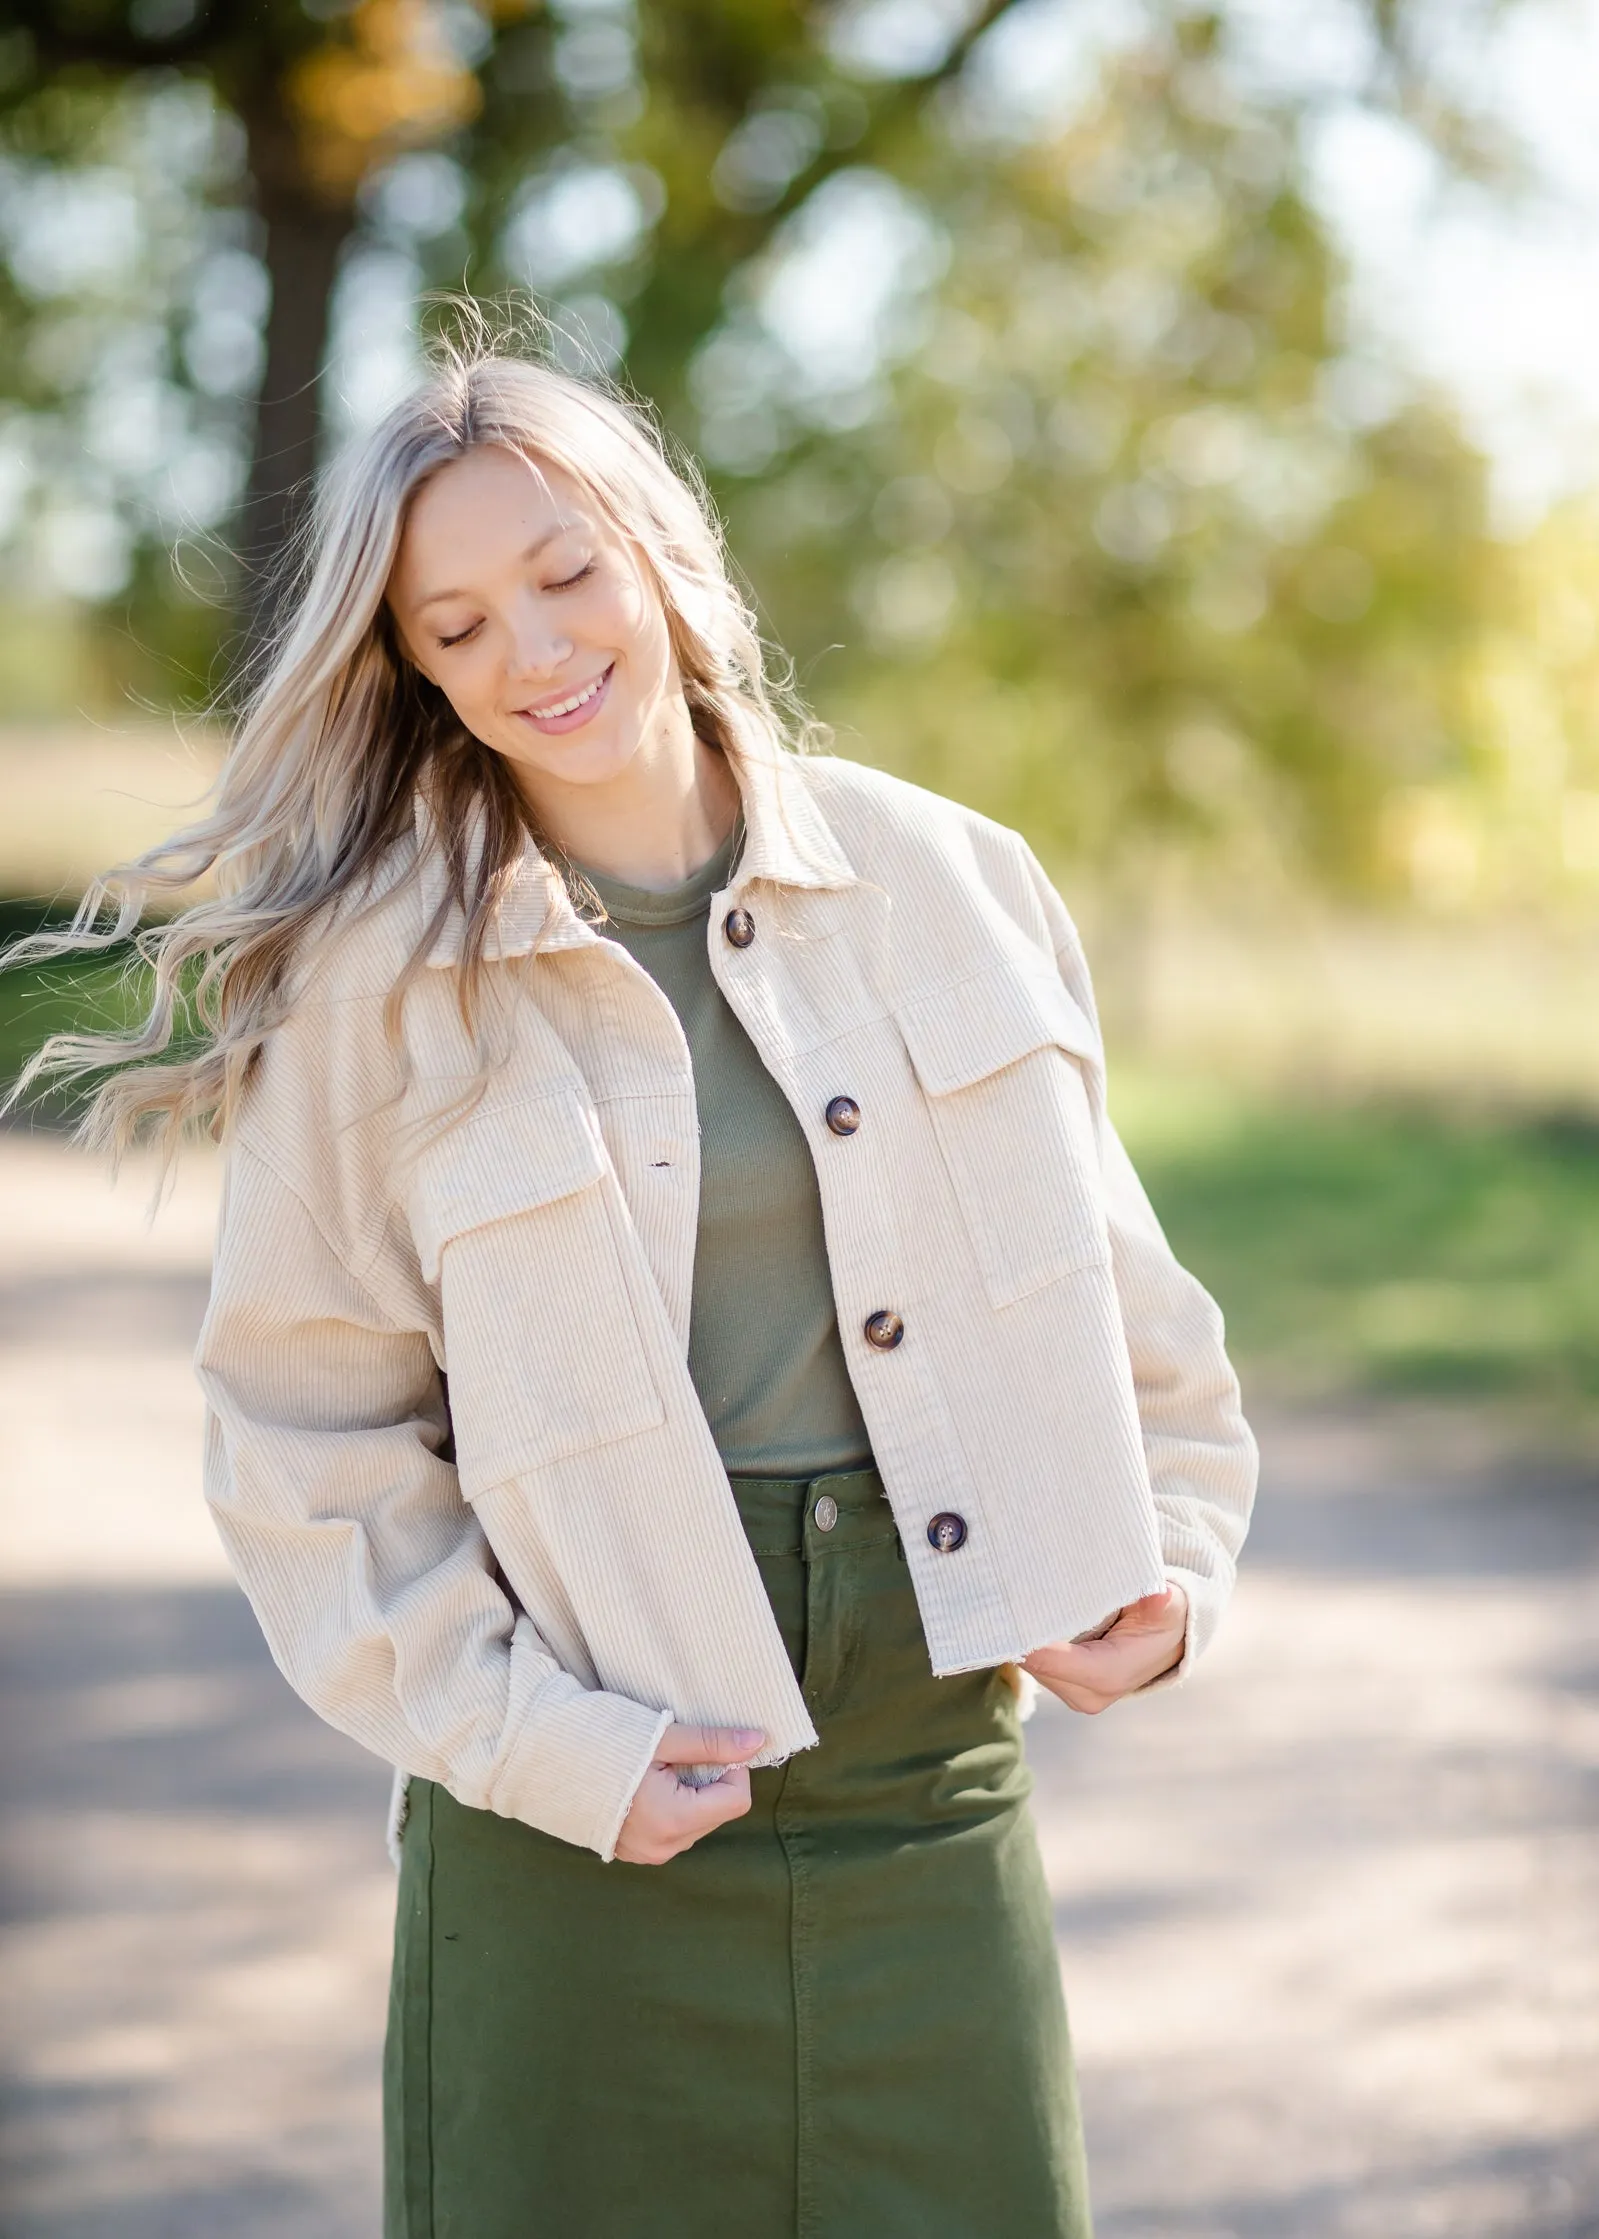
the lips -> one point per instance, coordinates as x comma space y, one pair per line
574, 710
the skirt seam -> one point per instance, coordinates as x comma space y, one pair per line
793, 1840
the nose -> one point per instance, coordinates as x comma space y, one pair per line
538, 645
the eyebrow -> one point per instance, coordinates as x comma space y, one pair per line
561, 528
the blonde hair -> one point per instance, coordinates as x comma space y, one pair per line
340, 732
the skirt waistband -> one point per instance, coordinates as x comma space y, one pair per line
813, 1516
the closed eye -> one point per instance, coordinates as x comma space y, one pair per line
567, 583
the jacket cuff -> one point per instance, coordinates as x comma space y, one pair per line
577, 1754
1207, 1600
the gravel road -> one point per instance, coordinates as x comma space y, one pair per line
1327, 1917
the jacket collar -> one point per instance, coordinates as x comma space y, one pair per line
787, 838
787, 841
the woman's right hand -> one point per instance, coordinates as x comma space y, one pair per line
667, 1815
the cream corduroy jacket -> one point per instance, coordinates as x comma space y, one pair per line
520, 1622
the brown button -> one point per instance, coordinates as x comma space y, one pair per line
739, 927
947, 1531
843, 1115
884, 1329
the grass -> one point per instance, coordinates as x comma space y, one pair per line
94, 994
1400, 1247
37, 1003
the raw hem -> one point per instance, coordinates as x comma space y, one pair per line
1016, 1652
770, 1759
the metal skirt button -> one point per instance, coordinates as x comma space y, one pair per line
884, 1329
826, 1513
946, 1532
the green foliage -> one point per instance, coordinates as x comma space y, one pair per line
1091, 518
104, 994
1388, 1249
1135, 555
127, 349
98, 997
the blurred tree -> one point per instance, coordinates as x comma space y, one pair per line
1527, 833
328, 93
1141, 552
1036, 402
321, 94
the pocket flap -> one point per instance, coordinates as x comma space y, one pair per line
500, 1161
965, 1032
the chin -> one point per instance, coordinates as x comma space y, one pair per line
576, 759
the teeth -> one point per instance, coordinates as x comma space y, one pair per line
566, 707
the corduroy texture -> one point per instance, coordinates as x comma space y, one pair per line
520, 1624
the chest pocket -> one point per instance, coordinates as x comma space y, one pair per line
517, 1219
1000, 1060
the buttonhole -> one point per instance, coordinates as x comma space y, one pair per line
660, 1162
452, 1935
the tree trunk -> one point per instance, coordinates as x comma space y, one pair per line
304, 237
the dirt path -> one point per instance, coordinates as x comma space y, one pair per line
1327, 1917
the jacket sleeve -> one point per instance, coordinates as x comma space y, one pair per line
1203, 1461
371, 1578
1202, 1457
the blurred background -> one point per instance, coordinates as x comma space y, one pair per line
1173, 430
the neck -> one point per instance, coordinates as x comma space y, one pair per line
658, 820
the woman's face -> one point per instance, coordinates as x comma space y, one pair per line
538, 622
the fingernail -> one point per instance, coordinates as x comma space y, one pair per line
747, 1737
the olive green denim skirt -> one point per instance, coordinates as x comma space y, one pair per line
838, 2017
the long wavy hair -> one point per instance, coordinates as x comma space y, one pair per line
339, 733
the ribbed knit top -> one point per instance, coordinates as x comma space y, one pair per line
764, 1349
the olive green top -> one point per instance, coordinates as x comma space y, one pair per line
764, 1348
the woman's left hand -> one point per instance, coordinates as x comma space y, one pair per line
1090, 1675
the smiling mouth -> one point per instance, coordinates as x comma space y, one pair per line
558, 708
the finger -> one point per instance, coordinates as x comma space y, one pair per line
708, 1745
678, 1817
1095, 1673
728, 1798
668, 1818
1075, 1663
1089, 1701
687, 1813
1098, 1687
1154, 1618
1146, 1614
1092, 1678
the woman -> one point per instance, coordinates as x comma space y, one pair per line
684, 1333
